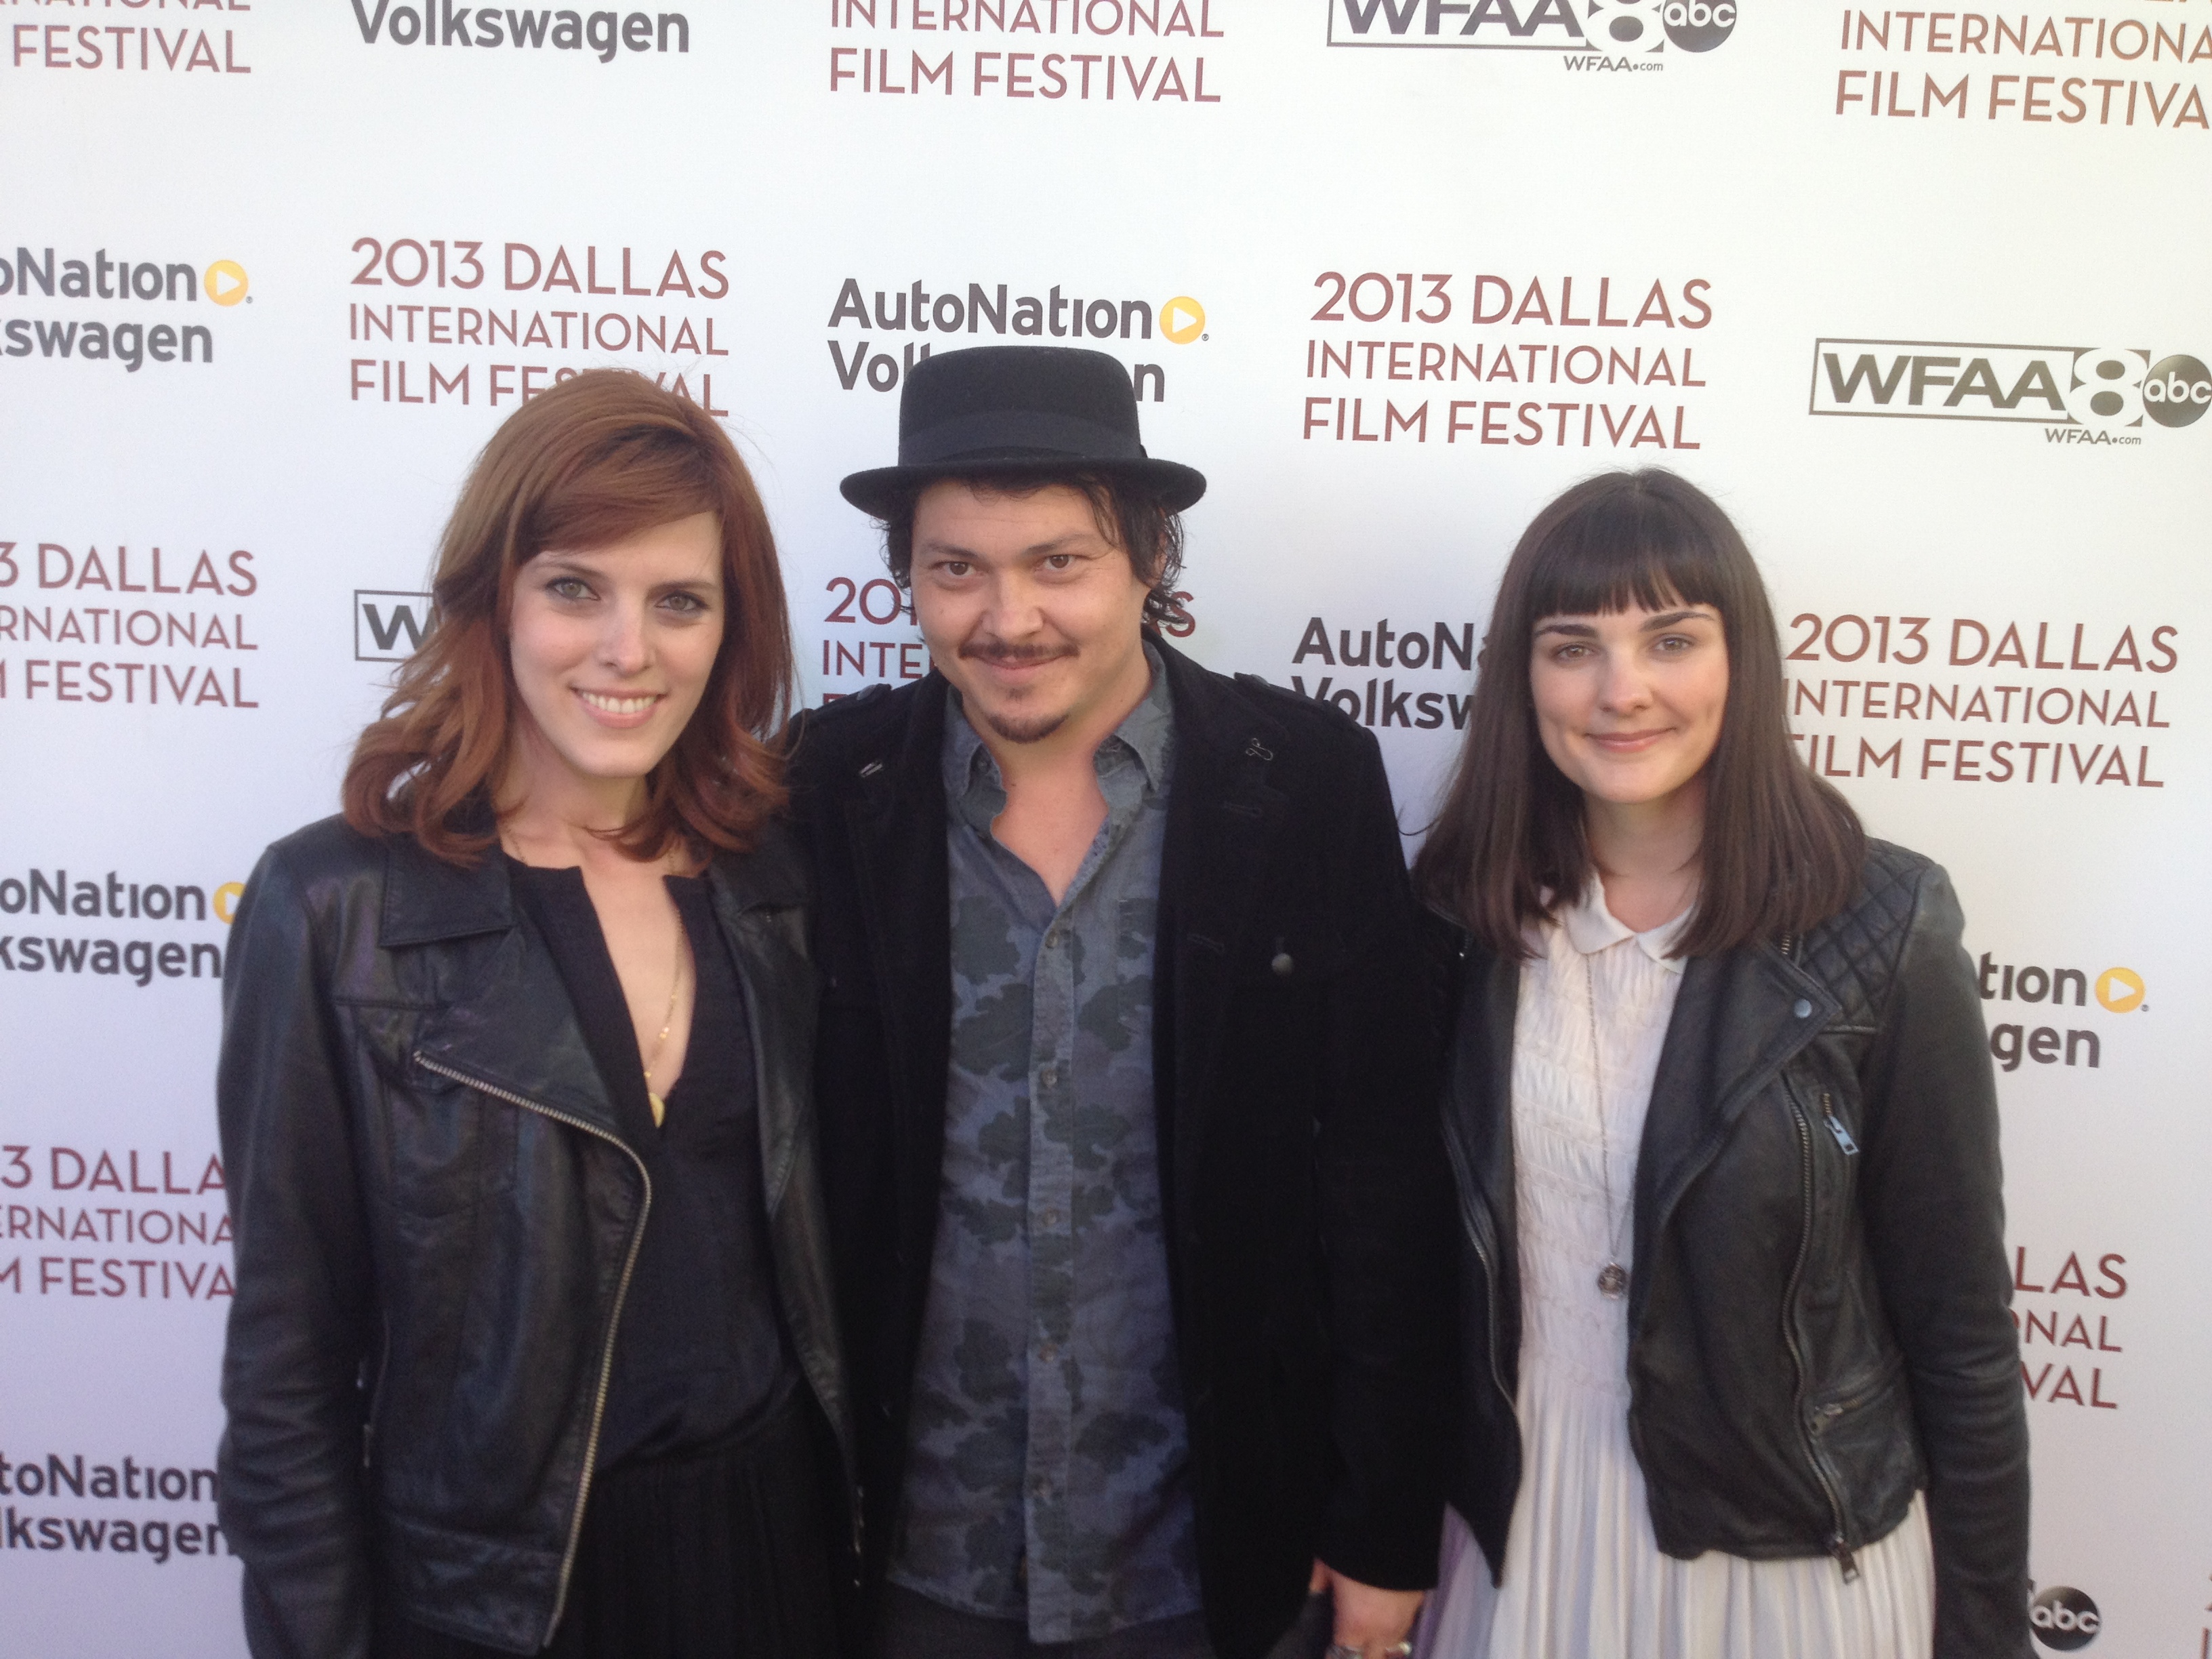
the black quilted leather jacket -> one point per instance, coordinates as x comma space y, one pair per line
1818, 1311
435, 1213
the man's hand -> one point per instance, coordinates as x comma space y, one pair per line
1371, 1622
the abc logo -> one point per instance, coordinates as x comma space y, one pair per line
1699, 24
2177, 391
2064, 1619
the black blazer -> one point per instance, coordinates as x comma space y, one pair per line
1818, 1321
1295, 1069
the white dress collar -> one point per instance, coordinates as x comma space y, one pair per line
1591, 927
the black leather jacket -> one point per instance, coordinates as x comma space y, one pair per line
1818, 1311
436, 1216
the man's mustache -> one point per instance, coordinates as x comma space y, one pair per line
999, 651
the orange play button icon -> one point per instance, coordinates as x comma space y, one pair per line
225, 281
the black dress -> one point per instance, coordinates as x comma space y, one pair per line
707, 1532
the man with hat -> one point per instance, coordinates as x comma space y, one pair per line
1127, 1077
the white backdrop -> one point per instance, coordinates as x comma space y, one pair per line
1391, 272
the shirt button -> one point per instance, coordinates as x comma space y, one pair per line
1050, 1217
1043, 1488
1802, 1008
1049, 1352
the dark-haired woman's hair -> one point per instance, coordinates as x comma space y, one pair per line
590, 462
1128, 515
1782, 849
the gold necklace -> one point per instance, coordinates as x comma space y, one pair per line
675, 986
675, 989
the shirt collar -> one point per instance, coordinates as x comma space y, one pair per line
1149, 730
1591, 927
1146, 734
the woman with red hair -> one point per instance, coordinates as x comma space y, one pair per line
533, 1346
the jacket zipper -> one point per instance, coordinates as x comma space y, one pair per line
1836, 1125
614, 1318
1838, 1544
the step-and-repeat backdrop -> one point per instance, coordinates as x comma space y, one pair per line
1917, 295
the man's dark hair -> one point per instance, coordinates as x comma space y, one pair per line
1128, 512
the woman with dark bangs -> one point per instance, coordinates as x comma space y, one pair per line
1739, 1380
533, 1346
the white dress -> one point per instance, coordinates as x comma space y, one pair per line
1585, 1578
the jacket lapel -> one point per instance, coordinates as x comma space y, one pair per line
777, 985
1736, 1024
1223, 816
514, 1029
896, 823
1478, 1113
1479, 1118
757, 900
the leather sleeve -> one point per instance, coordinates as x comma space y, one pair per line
1385, 1201
291, 1462
1933, 1192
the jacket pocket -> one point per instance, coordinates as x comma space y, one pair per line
445, 1146
1863, 1430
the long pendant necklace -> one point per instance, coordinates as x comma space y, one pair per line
1612, 1278
675, 985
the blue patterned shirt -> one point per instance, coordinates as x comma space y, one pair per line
1049, 1477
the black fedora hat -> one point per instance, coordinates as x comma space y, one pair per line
1017, 409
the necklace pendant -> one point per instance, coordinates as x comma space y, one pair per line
1613, 1280
660, 1117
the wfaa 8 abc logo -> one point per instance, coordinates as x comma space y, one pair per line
2064, 1619
1621, 26
2091, 395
